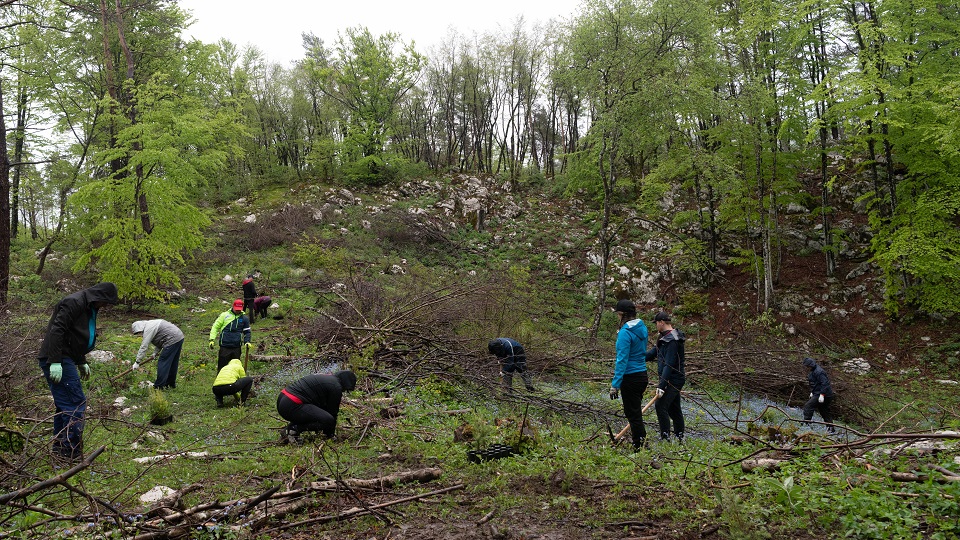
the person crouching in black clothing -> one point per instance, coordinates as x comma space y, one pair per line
312, 403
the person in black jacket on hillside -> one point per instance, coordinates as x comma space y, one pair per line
71, 334
821, 394
512, 359
670, 357
312, 403
249, 295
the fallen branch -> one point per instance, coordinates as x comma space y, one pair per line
487, 517
913, 477
383, 482
166, 457
763, 464
129, 370
60, 478
354, 512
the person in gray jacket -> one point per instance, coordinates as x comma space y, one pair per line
168, 339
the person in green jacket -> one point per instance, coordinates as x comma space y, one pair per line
232, 379
231, 331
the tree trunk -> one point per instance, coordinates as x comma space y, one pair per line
20, 131
4, 207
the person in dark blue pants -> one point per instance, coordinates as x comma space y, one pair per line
71, 334
670, 356
168, 340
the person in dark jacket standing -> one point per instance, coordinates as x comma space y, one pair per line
312, 403
670, 359
71, 334
821, 394
630, 369
249, 295
512, 359
231, 331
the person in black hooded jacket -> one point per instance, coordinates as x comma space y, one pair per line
670, 357
312, 403
821, 394
71, 334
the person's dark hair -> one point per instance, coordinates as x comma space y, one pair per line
493, 346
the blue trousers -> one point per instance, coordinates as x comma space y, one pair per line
167, 365
71, 404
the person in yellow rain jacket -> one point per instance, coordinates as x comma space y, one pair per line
232, 379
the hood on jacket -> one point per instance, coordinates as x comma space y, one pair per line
348, 380
105, 292
636, 327
672, 335
138, 327
809, 362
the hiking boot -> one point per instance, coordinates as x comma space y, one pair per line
288, 435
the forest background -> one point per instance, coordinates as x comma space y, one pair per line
118, 131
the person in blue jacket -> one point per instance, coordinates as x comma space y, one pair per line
71, 334
512, 359
670, 356
821, 394
630, 370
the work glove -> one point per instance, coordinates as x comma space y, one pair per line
820, 399
85, 371
56, 373
614, 393
811, 394
247, 345
211, 344
135, 366
659, 393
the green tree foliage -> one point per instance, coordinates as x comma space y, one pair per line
368, 76
157, 140
177, 142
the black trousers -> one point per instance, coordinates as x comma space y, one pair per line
813, 404
631, 389
306, 416
242, 385
668, 408
226, 355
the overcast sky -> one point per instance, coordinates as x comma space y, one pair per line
275, 26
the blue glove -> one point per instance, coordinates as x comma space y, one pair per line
56, 373
85, 371
614, 393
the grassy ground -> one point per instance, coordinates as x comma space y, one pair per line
568, 481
